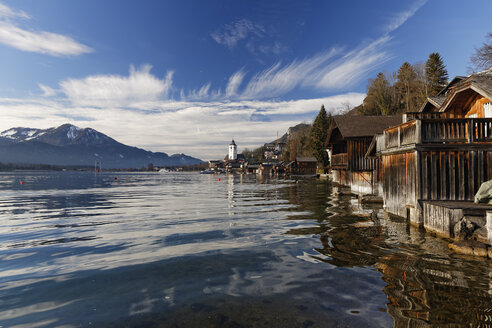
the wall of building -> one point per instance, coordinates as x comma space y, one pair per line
362, 183
454, 175
400, 185
476, 107
356, 151
342, 177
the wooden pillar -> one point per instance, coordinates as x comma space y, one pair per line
452, 176
461, 181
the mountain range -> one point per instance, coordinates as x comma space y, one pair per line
69, 145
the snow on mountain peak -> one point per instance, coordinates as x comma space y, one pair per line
21, 134
72, 132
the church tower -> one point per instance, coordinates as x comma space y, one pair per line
232, 150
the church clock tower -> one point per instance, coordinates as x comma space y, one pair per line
232, 150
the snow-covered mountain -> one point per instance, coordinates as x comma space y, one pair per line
71, 145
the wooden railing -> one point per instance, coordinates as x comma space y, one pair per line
457, 130
419, 115
339, 159
440, 130
402, 135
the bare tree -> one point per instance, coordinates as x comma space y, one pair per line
482, 58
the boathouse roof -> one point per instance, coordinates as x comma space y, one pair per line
432, 104
362, 126
480, 83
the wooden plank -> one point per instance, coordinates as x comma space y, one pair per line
452, 175
468, 175
461, 180
480, 171
418, 176
444, 172
426, 181
434, 192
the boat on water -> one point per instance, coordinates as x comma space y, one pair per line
164, 171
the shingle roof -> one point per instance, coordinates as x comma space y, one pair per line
364, 126
438, 100
483, 80
480, 82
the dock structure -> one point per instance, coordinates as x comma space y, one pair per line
349, 138
441, 153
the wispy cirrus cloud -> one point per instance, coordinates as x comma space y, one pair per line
116, 90
402, 17
234, 83
35, 40
332, 70
230, 34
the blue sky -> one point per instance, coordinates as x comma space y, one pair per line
187, 76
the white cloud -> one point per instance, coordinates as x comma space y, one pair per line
34, 40
116, 90
47, 91
7, 12
351, 68
234, 82
201, 129
330, 70
230, 34
402, 17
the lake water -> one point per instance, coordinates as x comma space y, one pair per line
188, 250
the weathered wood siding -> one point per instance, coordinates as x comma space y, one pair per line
399, 182
342, 177
454, 175
362, 183
441, 219
356, 151
477, 107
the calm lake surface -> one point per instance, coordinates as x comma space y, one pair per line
188, 250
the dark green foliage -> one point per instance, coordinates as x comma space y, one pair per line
435, 73
404, 90
318, 136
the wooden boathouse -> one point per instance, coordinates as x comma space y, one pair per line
348, 140
441, 153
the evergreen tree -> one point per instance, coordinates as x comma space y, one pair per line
318, 136
406, 87
435, 73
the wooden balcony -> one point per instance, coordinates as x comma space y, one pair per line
440, 131
339, 160
409, 116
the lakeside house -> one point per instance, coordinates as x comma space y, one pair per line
434, 162
349, 138
301, 166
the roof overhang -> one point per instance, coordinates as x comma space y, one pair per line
471, 86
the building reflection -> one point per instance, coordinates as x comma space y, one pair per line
426, 284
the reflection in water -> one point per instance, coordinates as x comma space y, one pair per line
427, 285
188, 250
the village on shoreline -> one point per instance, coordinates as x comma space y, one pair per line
426, 166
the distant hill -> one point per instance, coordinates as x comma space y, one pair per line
73, 146
291, 131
